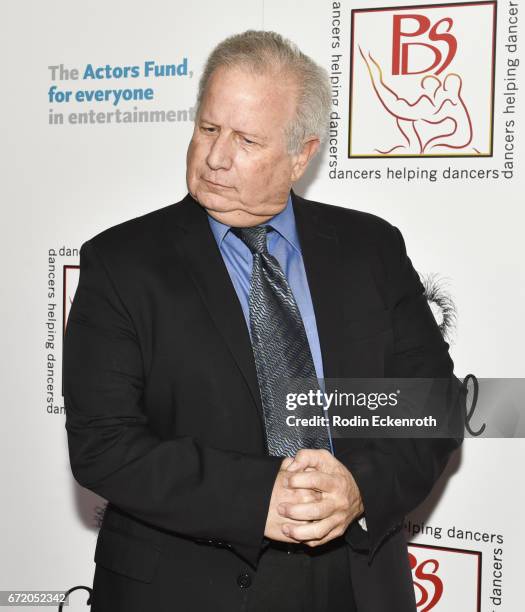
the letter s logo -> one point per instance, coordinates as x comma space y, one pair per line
425, 603
400, 50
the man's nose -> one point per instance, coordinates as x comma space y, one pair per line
220, 155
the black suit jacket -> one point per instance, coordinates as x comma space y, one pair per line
164, 418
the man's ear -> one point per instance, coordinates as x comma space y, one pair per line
301, 160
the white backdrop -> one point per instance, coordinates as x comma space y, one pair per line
63, 183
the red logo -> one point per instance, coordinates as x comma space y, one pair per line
400, 49
417, 88
426, 581
445, 579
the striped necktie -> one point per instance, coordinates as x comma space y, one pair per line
280, 346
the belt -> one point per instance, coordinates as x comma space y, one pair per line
290, 547
300, 548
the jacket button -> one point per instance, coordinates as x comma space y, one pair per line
244, 581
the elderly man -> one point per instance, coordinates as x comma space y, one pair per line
184, 322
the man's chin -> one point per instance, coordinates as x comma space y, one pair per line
238, 218
217, 203
231, 211
219, 206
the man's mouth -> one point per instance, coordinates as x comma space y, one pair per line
219, 185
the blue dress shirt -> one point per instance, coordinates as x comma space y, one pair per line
283, 244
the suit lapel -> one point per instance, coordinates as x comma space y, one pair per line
199, 251
321, 256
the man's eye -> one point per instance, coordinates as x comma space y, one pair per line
247, 141
208, 129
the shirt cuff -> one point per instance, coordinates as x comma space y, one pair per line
362, 522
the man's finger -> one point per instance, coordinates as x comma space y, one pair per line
311, 480
312, 530
333, 533
310, 458
313, 511
304, 496
287, 461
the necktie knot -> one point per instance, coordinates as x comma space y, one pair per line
253, 237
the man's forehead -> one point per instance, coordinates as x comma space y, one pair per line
238, 119
242, 83
246, 72
242, 98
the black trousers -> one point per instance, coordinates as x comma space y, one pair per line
292, 578
297, 578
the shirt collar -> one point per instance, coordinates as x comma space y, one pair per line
283, 222
219, 229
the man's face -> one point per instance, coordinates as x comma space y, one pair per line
238, 167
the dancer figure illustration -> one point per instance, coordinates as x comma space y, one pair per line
437, 120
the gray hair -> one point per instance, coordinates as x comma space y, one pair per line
264, 52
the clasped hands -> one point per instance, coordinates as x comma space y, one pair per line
314, 499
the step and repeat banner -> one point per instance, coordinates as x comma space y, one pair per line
426, 130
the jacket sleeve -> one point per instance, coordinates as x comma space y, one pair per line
177, 484
395, 475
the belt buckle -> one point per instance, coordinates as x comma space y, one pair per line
294, 548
